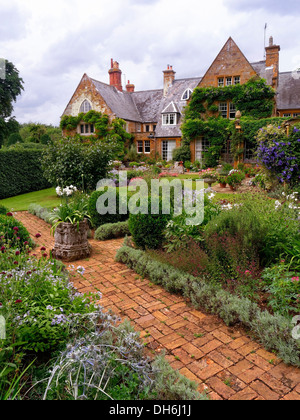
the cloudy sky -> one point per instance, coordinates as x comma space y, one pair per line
54, 42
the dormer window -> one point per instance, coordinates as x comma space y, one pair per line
169, 119
187, 94
85, 107
170, 115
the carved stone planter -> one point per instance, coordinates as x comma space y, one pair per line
71, 243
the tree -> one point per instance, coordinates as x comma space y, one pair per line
11, 87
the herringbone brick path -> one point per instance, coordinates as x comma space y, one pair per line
223, 361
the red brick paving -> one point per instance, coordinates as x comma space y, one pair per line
225, 362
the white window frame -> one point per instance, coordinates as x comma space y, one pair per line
237, 80
187, 94
169, 119
140, 147
223, 109
147, 145
232, 111
85, 107
166, 150
221, 82
228, 81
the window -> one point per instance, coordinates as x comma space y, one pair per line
296, 115
237, 80
86, 129
232, 111
167, 149
147, 128
187, 94
221, 81
154, 127
138, 127
287, 115
169, 119
228, 81
85, 107
140, 147
147, 147
223, 109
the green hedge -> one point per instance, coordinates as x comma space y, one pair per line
98, 219
21, 172
112, 231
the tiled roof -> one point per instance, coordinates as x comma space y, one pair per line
121, 103
148, 104
288, 91
175, 92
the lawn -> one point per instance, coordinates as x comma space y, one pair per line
46, 198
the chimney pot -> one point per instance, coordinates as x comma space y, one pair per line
271, 42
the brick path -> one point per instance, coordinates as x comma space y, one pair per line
224, 361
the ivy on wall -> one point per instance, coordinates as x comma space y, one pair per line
103, 128
255, 99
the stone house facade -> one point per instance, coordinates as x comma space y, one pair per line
154, 117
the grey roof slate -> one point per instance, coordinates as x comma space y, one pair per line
121, 103
263, 72
288, 91
148, 104
175, 92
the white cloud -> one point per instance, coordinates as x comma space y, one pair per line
54, 42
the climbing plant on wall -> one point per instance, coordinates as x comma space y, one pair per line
255, 99
104, 130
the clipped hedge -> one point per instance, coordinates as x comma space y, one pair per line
274, 332
41, 212
21, 172
98, 219
112, 231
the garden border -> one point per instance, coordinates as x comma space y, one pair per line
274, 332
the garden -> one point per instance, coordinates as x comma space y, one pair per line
241, 263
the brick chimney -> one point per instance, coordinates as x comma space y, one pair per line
272, 60
169, 77
115, 75
130, 87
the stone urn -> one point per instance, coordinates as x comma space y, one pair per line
71, 242
210, 182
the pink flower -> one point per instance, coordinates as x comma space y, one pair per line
38, 235
18, 253
295, 279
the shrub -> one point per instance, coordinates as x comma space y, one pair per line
13, 233
235, 178
260, 225
284, 288
40, 212
71, 162
3, 210
280, 154
112, 231
147, 230
98, 219
21, 172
